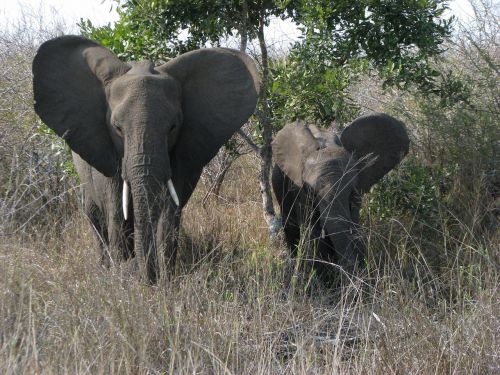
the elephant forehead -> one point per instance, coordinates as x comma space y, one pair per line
325, 137
331, 154
137, 87
327, 165
141, 68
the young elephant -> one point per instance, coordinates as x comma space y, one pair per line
140, 134
319, 178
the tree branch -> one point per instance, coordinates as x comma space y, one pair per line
264, 117
249, 141
244, 27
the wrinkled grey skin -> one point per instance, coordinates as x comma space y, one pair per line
144, 125
319, 178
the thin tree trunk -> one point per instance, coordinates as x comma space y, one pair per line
267, 133
244, 28
228, 160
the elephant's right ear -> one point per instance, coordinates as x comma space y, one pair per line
291, 147
377, 136
69, 78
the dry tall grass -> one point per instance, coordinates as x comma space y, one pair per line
238, 305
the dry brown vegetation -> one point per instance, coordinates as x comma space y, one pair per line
237, 303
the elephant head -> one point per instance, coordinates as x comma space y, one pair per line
319, 178
154, 127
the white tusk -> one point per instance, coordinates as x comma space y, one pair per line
125, 197
172, 192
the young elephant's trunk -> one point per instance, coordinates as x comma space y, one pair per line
342, 232
339, 218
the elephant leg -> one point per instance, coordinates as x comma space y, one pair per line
108, 192
291, 226
291, 230
96, 218
287, 198
121, 240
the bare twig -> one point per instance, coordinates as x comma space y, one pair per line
249, 141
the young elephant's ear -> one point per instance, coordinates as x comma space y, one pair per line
291, 147
69, 75
220, 88
380, 142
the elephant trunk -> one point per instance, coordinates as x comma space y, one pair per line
339, 219
343, 234
155, 216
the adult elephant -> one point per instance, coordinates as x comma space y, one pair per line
319, 178
140, 134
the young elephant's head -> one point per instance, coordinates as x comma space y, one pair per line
156, 127
334, 171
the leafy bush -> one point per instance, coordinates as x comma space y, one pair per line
304, 86
444, 198
416, 190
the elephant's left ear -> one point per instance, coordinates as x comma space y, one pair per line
377, 136
220, 88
